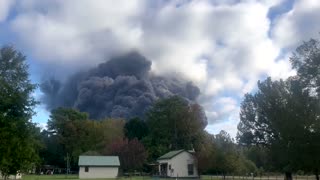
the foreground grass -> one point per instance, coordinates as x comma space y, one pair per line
203, 177
49, 177
73, 177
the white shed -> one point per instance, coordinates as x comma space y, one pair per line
179, 163
17, 176
93, 167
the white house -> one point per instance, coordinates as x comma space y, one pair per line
98, 167
179, 163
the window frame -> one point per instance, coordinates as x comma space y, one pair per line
190, 169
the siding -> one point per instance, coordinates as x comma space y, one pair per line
179, 164
98, 172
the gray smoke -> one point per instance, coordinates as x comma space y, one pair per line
122, 87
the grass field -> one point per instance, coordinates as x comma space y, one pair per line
73, 177
203, 177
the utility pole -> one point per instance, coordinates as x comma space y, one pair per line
68, 163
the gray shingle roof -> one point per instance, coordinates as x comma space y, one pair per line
171, 154
99, 161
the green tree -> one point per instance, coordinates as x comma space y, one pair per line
306, 60
205, 154
18, 135
229, 158
67, 124
77, 134
52, 152
132, 153
258, 155
173, 124
284, 116
136, 128
280, 116
220, 155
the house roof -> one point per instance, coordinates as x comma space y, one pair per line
99, 161
171, 154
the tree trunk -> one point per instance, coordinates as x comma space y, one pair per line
316, 172
288, 176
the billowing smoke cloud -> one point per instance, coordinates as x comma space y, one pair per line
121, 87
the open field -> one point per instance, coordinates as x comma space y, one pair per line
203, 177
273, 177
73, 177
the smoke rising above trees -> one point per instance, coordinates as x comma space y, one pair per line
122, 87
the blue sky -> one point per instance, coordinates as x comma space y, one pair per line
223, 46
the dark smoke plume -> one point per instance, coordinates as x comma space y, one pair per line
123, 87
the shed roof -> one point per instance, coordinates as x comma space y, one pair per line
99, 161
171, 154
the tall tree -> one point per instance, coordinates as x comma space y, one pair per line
173, 124
66, 124
135, 128
77, 134
306, 60
205, 154
132, 153
280, 116
52, 153
18, 147
219, 154
229, 158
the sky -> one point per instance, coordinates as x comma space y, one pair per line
222, 46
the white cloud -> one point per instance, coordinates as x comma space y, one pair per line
298, 25
229, 124
224, 107
5, 6
60, 32
281, 69
223, 46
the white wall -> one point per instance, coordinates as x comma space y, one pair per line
98, 172
165, 161
17, 176
179, 164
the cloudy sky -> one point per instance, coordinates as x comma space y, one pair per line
223, 46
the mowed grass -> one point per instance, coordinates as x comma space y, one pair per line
203, 177
73, 177
49, 177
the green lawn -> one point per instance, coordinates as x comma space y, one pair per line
73, 177
48, 177
203, 177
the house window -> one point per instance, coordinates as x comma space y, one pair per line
86, 169
190, 169
170, 166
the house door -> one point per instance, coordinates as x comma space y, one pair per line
164, 170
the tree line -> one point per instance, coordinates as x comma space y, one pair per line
170, 124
